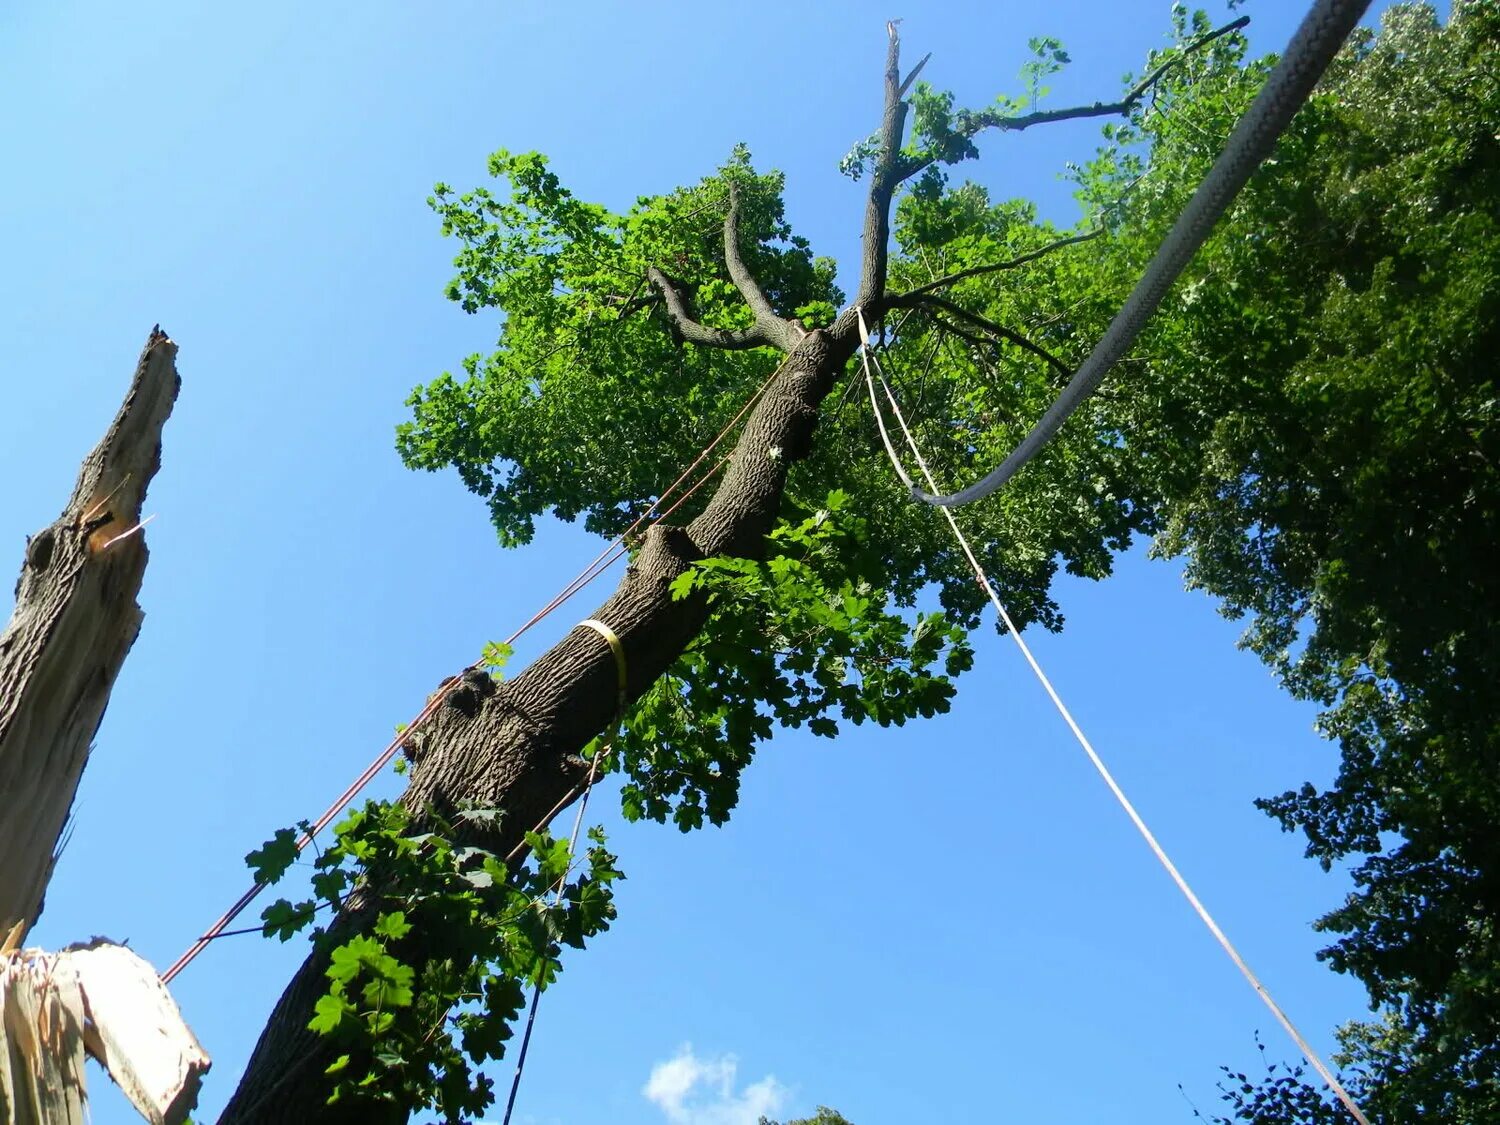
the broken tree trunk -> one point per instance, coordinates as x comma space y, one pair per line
75, 619
98, 999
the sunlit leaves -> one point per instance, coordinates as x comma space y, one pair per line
495, 657
270, 861
806, 637
587, 404
486, 930
933, 132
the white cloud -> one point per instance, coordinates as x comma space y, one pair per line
694, 1091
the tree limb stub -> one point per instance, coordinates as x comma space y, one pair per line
75, 619
890, 171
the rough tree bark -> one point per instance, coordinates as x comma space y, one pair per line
515, 746
75, 619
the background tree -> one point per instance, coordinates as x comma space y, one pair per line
1328, 464
1313, 421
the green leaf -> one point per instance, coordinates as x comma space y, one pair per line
270, 861
393, 926
331, 1012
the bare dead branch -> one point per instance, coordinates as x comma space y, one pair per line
932, 301
912, 77
75, 619
889, 172
1014, 263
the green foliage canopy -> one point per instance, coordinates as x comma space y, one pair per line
823, 1116
1315, 422
591, 402
1311, 421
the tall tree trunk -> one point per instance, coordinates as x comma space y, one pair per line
515, 747
75, 619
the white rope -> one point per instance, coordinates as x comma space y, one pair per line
1312, 48
1088, 747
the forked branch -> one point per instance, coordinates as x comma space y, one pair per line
784, 333
691, 331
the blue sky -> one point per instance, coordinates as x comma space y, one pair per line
950, 922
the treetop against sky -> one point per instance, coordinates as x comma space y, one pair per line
255, 182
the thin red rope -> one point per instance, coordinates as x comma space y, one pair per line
602, 562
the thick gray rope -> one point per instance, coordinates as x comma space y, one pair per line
1312, 48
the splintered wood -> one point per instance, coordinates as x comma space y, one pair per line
100, 1000
75, 619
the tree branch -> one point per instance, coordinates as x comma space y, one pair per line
990, 119
633, 302
933, 301
1202, 41
963, 334
912, 77
889, 172
784, 333
1014, 263
692, 332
